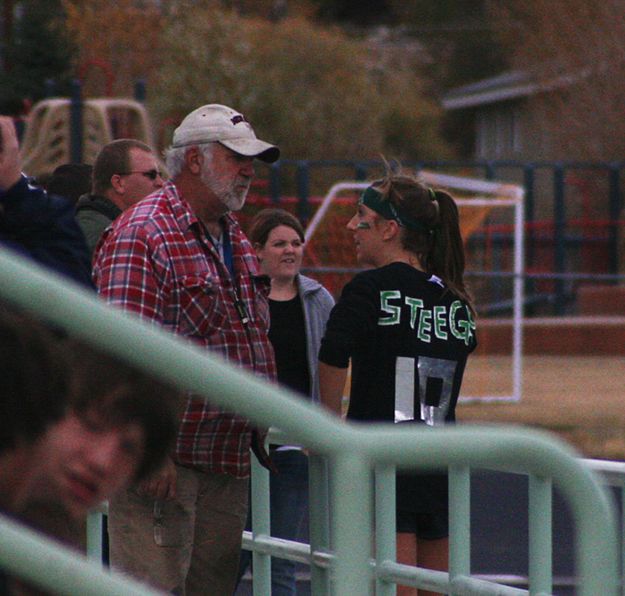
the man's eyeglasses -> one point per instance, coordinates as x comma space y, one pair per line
151, 174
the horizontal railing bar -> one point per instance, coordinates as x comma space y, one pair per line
438, 581
44, 562
278, 547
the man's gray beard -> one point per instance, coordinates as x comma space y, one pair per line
231, 198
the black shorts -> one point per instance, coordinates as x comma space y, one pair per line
426, 526
422, 505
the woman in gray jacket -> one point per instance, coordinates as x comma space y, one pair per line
299, 308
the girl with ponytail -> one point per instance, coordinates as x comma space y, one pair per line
407, 326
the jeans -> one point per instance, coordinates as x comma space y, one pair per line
289, 504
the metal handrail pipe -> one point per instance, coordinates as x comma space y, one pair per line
278, 547
45, 563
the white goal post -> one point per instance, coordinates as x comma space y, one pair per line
487, 194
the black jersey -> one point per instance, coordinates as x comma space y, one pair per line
408, 338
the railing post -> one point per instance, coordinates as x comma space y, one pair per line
275, 189
261, 574
351, 526
559, 236
385, 524
319, 521
459, 522
361, 172
528, 185
75, 117
49, 86
95, 527
540, 535
303, 190
622, 570
614, 215
140, 90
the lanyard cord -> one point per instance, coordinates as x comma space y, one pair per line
224, 248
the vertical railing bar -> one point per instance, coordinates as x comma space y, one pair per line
76, 122
614, 212
385, 525
459, 522
261, 563
559, 221
352, 528
518, 284
622, 542
319, 521
540, 535
95, 528
303, 190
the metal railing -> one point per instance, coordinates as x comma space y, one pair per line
319, 557
351, 451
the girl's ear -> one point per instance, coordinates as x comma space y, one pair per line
390, 229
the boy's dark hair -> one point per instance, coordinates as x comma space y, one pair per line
120, 394
44, 375
34, 374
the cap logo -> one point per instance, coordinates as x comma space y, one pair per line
238, 118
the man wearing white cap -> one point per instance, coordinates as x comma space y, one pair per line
179, 259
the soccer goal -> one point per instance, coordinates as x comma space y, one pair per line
330, 254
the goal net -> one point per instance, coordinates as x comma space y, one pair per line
491, 221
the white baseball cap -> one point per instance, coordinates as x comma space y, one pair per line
215, 122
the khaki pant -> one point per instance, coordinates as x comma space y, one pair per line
189, 546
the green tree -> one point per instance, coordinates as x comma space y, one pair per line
356, 12
38, 50
313, 90
461, 38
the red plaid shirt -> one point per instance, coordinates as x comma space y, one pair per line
157, 261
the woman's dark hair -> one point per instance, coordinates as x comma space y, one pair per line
437, 243
268, 219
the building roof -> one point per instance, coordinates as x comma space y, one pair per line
506, 86
509, 85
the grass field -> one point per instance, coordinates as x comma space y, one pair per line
580, 398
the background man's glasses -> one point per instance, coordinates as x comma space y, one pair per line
151, 174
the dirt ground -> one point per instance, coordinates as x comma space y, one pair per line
580, 398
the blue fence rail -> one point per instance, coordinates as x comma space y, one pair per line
571, 209
566, 194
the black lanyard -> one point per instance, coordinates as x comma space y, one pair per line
228, 259
227, 250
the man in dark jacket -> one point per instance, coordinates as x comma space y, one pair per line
125, 171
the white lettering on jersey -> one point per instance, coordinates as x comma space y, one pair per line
440, 321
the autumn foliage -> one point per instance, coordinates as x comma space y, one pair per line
114, 36
313, 90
